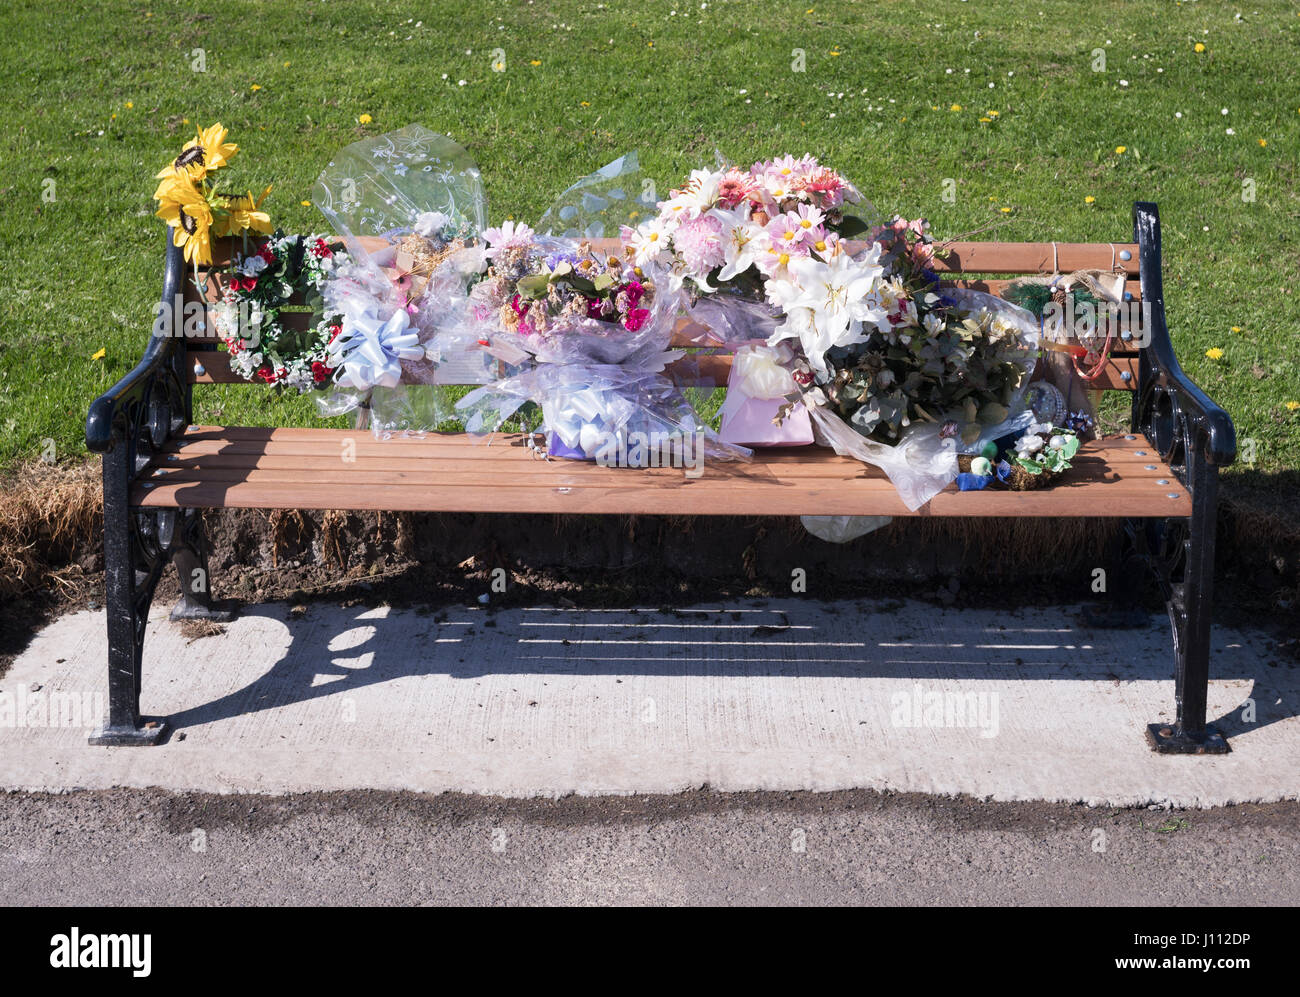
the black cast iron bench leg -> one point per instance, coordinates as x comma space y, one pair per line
1187, 549
1195, 438
137, 546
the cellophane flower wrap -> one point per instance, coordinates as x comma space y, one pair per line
410, 205
436, 296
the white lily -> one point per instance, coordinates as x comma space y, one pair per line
746, 242
842, 295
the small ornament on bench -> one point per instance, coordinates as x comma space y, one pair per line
1042, 455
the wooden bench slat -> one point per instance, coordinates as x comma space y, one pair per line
1009, 257
1098, 499
964, 257
437, 471
1109, 479
694, 370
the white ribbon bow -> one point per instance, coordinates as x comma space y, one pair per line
583, 418
369, 351
757, 372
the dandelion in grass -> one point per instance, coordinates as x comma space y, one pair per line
365, 119
1214, 353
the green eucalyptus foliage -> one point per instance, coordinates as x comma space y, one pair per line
967, 369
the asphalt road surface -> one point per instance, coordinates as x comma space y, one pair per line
153, 848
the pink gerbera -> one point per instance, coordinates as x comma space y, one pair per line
787, 234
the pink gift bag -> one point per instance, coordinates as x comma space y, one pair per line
756, 390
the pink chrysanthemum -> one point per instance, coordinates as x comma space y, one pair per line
699, 241
734, 187
826, 186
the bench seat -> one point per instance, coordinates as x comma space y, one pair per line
217, 467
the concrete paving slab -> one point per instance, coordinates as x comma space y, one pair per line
772, 695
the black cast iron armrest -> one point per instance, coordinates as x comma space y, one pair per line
152, 402
1177, 417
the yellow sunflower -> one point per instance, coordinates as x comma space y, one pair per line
208, 151
244, 214
187, 211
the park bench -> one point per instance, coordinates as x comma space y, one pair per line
160, 471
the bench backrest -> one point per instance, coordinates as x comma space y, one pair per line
982, 266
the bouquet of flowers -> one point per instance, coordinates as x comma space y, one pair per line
583, 335
957, 357
725, 236
730, 230
561, 301
434, 295
896, 369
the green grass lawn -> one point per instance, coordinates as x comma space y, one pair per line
1001, 97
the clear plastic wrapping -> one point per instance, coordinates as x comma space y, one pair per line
617, 415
